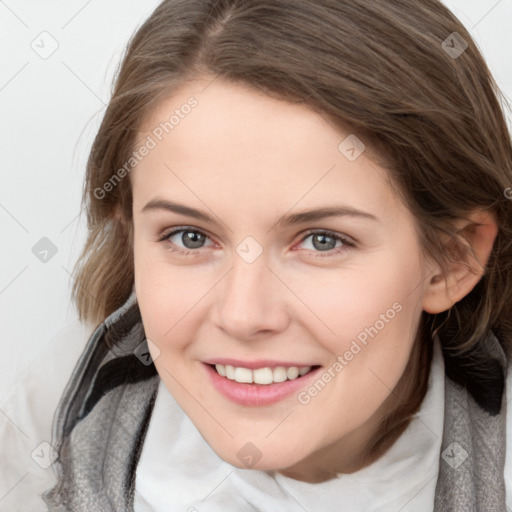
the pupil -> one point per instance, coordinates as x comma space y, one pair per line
192, 239
319, 242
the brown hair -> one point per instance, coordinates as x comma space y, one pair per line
380, 68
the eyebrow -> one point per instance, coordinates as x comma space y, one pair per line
284, 220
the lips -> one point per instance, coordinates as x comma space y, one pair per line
256, 395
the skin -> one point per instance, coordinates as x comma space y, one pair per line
246, 159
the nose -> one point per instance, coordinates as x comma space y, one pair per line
251, 301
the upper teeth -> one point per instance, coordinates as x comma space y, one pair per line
261, 375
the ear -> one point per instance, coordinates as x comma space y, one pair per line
476, 233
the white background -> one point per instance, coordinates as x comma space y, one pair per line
50, 109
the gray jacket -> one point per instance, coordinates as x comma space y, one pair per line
103, 416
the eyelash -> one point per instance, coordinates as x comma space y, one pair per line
347, 244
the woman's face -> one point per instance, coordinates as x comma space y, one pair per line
240, 274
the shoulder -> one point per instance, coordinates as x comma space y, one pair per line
508, 456
27, 413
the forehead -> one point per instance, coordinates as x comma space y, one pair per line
244, 148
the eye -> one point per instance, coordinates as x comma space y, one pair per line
326, 242
186, 239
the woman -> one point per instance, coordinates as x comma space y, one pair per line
299, 257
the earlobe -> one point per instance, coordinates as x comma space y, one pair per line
468, 260
437, 296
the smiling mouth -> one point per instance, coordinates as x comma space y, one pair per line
262, 376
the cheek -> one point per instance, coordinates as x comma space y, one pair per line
155, 288
369, 318
348, 301
377, 341
169, 296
